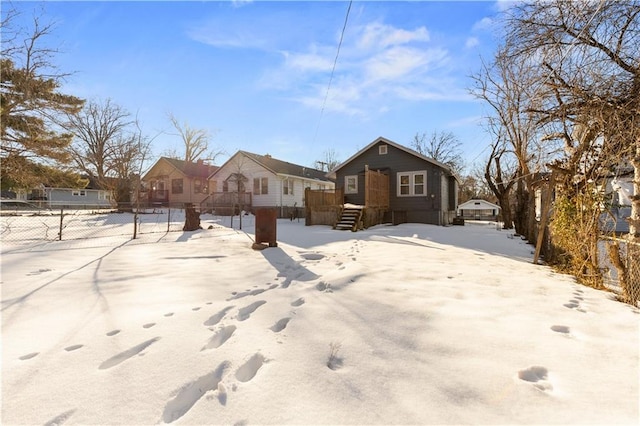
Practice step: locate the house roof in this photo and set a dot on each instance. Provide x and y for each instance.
(332, 173)
(193, 170)
(281, 167)
(478, 204)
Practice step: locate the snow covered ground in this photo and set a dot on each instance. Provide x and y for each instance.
(412, 324)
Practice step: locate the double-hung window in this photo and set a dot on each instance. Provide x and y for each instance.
(260, 186)
(287, 187)
(351, 184)
(412, 184)
(176, 186)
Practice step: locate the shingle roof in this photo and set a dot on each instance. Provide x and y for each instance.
(201, 170)
(286, 168)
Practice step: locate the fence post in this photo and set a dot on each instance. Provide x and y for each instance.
(135, 224)
(61, 218)
(168, 219)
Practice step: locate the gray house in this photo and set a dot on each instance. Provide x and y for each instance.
(417, 188)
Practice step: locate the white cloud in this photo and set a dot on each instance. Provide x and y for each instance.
(471, 42)
(483, 24)
(379, 66)
(399, 62)
(377, 35)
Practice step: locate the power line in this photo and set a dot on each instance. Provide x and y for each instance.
(335, 61)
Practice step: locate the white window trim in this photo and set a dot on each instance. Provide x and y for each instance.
(412, 176)
(346, 184)
(289, 185)
(383, 149)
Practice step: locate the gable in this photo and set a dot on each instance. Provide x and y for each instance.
(170, 166)
(478, 205)
(397, 157)
(243, 160)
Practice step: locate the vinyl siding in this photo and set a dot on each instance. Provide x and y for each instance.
(420, 209)
(166, 172)
(276, 197)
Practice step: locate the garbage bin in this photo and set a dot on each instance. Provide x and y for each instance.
(266, 219)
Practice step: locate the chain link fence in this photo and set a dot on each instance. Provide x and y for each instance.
(619, 261)
(67, 224)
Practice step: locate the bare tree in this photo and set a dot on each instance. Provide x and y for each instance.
(587, 57)
(509, 88)
(328, 161)
(108, 146)
(501, 174)
(196, 142)
(441, 146)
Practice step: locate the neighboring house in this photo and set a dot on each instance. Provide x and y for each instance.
(263, 181)
(477, 209)
(419, 188)
(175, 182)
(620, 191)
(89, 197)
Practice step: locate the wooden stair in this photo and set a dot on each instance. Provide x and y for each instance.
(349, 219)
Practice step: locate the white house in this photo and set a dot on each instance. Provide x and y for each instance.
(252, 180)
(478, 209)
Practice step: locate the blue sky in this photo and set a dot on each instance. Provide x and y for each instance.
(255, 74)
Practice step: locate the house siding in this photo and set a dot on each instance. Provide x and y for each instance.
(251, 169)
(63, 197)
(420, 209)
(166, 172)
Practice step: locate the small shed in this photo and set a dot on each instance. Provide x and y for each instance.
(477, 209)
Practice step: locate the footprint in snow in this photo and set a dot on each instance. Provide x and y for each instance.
(280, 325)
(248, 370)
(298, 302)
(561, 329)
(113, 333)
(149, 325)
(168, 314)
(187, 396)
(214, 319)
(197, 308)
(219, 337)
(123, 356)
(60, 419)
(538, 376)
(245, 313)
(28, 356)
(73, 348)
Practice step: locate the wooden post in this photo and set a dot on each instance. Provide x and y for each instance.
(544, 216)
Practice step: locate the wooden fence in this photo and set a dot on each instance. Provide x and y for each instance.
(323, 197)
(376, 189)
(323, 206)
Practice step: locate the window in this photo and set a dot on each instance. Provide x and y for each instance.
(225, 186)
(79, 193)
(176, 186)
(287, 187)
(412, 184)
(351, 184)
(260, 186)
(382, 149)
(197, 186)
